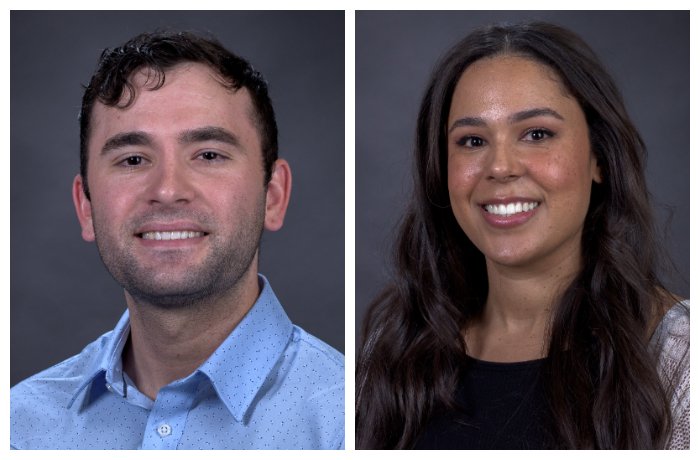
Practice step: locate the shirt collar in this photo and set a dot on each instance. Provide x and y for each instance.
(237, 369)
(105, 363)
(244, 361)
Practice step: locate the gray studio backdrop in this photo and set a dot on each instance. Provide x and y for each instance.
(61, 295)
(647, 53)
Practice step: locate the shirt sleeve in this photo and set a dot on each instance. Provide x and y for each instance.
(674, 370)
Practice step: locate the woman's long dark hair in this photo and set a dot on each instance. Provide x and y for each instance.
(601, 378)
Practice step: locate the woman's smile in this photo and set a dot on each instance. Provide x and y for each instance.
(509, 212)
(520, 166)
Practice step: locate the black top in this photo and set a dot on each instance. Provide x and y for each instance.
(502, 407)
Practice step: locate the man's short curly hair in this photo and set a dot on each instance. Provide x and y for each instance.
(159, 52)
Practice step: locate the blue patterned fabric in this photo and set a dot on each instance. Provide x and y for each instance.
(269, 385)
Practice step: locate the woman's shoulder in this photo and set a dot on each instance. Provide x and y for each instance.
(672, 334)
(671, 338)
(671, 342)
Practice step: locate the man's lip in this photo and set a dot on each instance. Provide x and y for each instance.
(170, 236)
(170, 227)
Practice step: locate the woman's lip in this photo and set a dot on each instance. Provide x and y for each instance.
(508, 200)
(509, 220)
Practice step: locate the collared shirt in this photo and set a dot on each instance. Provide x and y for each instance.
(269, 385)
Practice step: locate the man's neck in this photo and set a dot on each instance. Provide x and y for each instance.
(167, 344)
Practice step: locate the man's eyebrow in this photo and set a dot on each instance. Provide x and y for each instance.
(209, 133)
(127, 139)
(514, 118)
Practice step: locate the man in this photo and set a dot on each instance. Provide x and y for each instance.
(179, 176)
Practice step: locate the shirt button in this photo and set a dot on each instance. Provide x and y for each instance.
(164, 430)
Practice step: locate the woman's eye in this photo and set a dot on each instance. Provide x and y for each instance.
(538, 134)
(471, 142)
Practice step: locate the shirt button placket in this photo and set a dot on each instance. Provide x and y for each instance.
(168, 417)
(164, 430)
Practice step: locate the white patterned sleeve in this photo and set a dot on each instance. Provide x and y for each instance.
(673, 337)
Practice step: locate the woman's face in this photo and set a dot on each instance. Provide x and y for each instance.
(520, 165)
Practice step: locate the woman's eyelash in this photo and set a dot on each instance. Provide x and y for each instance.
(538, 134)
(470, 141)
(532, 135)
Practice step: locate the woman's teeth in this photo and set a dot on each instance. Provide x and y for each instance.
(510, 208)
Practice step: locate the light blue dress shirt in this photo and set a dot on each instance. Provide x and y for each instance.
(269, 385)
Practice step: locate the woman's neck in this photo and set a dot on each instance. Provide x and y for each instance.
(514, 324)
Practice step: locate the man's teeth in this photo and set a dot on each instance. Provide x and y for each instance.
(170, 235)
(510, 208)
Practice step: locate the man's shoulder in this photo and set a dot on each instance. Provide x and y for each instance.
(55, 387)
(314, 372)
(317, 356)
(40, 406)
(75, 366)
(313, 369)
(313, 345)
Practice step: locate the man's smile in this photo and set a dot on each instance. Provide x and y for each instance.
(171, 235)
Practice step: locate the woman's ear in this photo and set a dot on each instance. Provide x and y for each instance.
(595, 170)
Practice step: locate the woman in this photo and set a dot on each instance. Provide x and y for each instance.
(526, 310)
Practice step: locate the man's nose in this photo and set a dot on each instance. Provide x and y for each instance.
(170, 182)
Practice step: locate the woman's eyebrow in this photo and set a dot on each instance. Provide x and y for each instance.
(513, 118)
(467, 121)
(531, 113)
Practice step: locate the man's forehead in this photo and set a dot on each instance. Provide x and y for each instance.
(148, 78)
(187, 96)
(181, 83)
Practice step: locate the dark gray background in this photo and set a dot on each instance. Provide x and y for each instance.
(61, 296)
(648, 54)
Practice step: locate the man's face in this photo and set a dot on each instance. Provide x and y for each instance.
(178, 200)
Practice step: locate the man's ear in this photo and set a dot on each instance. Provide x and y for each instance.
(278, 191)
(83, 207)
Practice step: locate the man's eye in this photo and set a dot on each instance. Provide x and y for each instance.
(133, 161)
(210, 156)
(471, 142)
